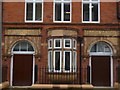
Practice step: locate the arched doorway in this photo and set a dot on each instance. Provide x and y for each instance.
(22, 64)
(101, 65)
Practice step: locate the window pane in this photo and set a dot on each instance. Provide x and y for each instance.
(67, 43)
(94, 0)
(30, 48)
(57, 11)
(16, 48)
(39, 0)
(74, 44)
(58, 0)
(86, 12)
(74, 61)
(29, 11)
(66, 11)
(23, 46)
(67, 61)
(100, 47)
(66, 0)
(50, 43)
(95, 12)
(50, 60)
(107, 49)
(94, 48)
(57, 60)
(86, 0)
(38, 12)
(57, 43)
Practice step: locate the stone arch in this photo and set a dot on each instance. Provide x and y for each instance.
(18, 47)
(16, 41)
(106, 41)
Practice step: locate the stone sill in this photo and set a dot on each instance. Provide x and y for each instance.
(117, 85)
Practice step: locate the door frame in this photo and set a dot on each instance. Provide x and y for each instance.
(11, 69)
(111, 68)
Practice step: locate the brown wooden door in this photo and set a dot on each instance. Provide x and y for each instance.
(101, 72)
(22, 70)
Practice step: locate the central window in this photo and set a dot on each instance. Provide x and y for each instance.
(91, 11)
(62, 54)
(62, 10)
(34, 10)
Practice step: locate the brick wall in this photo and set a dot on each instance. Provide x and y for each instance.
(15, 12)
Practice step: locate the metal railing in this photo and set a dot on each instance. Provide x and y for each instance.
(43, 75)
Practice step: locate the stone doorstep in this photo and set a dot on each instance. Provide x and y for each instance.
(63, 86)
(117, 85)
(4, 84)
(42, 86)
(24, 87)
(87, 86)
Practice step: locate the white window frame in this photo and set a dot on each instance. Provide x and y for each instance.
(20, 47)
(33, 1)
(55, 44)
(50, 63)
(49, 44)
(62, 11)
(103, 44)
(60, 61)
(74, 61)
(101, 53)
(75, 44)
(70, 44)
(70, 62)
(90, 2)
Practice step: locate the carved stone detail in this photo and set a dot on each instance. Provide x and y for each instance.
(62, 33)
(114, 42)
(10, 41)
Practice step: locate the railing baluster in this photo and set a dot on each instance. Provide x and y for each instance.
(48, 76)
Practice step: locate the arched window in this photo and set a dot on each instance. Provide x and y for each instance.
(101, 48)
(23, 46)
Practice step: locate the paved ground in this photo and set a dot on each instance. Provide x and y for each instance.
(60, 89)
(41, 89)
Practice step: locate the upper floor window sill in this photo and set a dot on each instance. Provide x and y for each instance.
(62, 22)
(34, 21)
(90, 22)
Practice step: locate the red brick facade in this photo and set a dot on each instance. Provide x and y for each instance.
(14, 20)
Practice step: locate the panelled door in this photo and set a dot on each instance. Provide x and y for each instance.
(101, 70)
(22, 69)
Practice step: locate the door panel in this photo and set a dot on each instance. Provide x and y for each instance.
(22, 70)
(101, 72)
